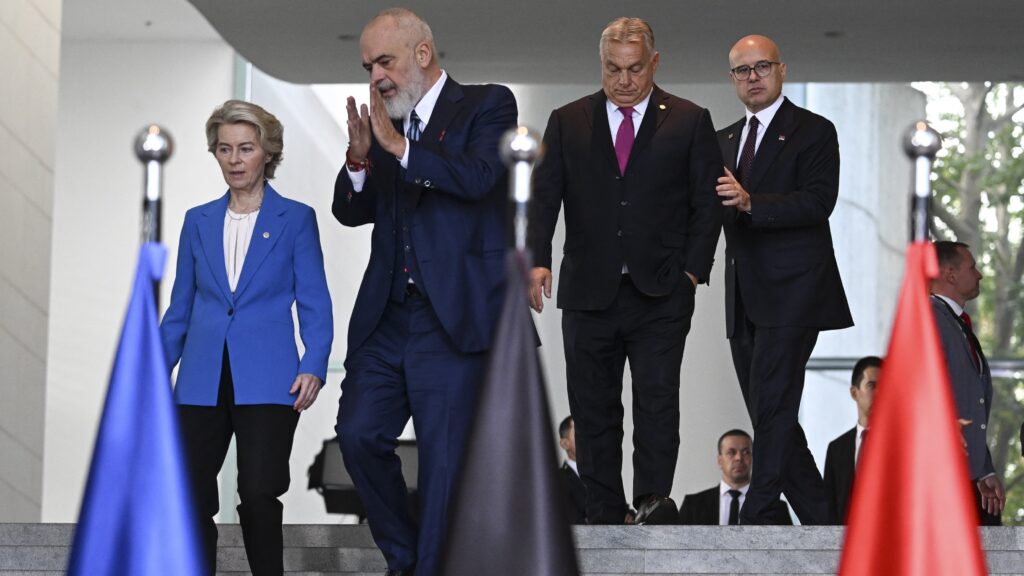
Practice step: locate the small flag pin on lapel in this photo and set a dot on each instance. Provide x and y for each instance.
(782, 137)
(266, 234)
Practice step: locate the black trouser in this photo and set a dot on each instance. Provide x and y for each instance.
(650, 332)
(264, 435)
(770, 364)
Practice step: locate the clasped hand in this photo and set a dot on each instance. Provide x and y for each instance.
(373, 121)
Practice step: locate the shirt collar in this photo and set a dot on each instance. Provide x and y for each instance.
(639, 108)
(425, 107)
(765, 116)
(723, 488)
(572, 464)
(957, 309)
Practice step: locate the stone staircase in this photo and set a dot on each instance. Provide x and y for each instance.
(330, 550)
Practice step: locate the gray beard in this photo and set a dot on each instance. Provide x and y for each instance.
(401, 104)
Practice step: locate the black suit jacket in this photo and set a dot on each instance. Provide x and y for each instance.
(701, 509)
(780, 256)
(839, 473)
(661, 218)
(575, 495)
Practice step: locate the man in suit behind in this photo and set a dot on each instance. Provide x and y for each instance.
(575, 491)
(782, 283)
(423, 168)
(635, 168)
(720, 505)
(959, 281)
(844, 452)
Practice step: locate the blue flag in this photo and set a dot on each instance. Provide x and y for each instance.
(137, 516)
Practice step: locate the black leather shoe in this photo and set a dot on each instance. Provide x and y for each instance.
(654, 509)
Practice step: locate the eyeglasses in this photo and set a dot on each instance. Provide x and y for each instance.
(762, 68)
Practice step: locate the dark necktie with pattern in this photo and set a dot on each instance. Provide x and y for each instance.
(413, 134)
(749, 147)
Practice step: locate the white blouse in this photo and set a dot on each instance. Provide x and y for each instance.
(238, 230)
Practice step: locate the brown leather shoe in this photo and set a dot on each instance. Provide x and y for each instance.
(654, 509)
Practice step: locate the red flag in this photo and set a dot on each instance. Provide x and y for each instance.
(913, 510)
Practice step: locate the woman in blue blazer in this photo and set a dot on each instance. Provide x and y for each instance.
(243, 261)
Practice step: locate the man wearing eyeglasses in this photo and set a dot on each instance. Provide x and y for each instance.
(782, 284)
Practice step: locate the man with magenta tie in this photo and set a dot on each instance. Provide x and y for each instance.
(635, 168)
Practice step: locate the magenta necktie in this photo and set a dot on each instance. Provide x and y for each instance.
(749, 146)
(624, 138)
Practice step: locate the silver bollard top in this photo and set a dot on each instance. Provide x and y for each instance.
(921, 140)
(520, 144)
(154, 144)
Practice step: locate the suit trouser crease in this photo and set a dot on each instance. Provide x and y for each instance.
(264, 434)
(770, 365)
(408, 367)
(650, 332)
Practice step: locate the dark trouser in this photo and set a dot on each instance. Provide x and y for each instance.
(407, 367)
(770, 364)
(264, 435)
(650, 333)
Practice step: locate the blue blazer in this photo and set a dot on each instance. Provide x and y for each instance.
(284, 265)
(456, 194)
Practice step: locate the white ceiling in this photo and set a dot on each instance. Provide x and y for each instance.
(555, 41)
(112, 20)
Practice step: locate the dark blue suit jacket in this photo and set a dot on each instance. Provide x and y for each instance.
(456, 195)
(284, 265)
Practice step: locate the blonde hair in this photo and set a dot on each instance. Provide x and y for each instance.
(268, 127)
(627, 30)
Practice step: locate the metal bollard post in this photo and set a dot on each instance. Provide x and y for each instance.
(520, 150)
(921, 142)
(153, 146)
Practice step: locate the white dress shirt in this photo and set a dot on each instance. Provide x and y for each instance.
(857, 441)
(764, 118)
(237, 237)
(725, 499)
(615, 117)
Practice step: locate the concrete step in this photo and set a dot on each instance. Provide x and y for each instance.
(326, 550)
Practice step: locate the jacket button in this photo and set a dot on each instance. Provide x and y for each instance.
(624, 203)
(231, 311)
(426, 183)
(418, 181)
(982, 400)
(984, 426)
(619, 233)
